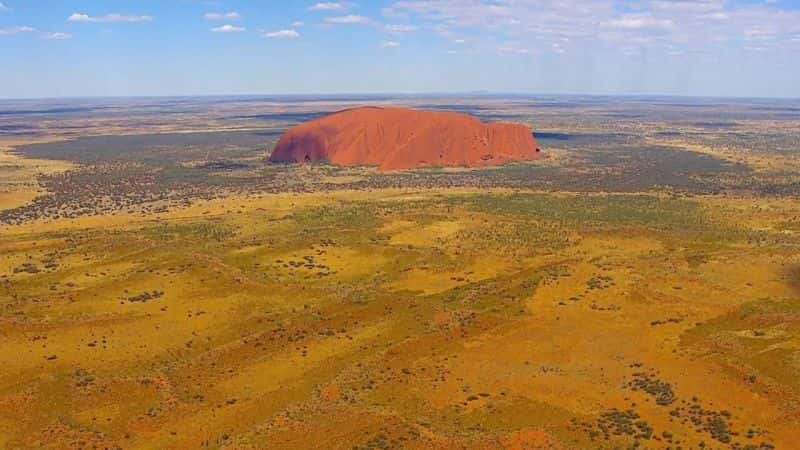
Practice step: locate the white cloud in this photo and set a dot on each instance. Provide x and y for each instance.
(400, 28)
(297, 23)
(56, 36)
(282, 34)
(687, 6)
(640, 21)
(328, 6)
(4, 8)
(758, 34)
(228, 28)
(513, 48)
(108, 18)
(390, 44)
(348, 19)
(717, 16)
(233, 15)
(15, 30)
(623, 26)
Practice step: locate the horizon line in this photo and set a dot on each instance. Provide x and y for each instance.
(420, 94)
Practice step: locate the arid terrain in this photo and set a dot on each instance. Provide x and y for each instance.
(162, 285)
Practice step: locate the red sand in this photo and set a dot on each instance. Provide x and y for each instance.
(400, 138)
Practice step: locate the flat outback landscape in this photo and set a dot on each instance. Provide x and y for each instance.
(630, 281)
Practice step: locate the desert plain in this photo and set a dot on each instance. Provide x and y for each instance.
(162, 285)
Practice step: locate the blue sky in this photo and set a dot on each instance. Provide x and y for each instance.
(60, 48)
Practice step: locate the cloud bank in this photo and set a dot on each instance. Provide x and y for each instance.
(670, 26)
(228, 28)
(282, 34)
(108, 18)
(233, 15)
(15, 30)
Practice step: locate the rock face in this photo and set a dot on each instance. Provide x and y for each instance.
(400, 138)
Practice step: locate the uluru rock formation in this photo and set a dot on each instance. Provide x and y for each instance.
(401, 138)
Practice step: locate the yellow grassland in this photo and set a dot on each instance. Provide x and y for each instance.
(348, 319)
(18, 176)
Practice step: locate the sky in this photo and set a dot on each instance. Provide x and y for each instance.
(79, 48)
